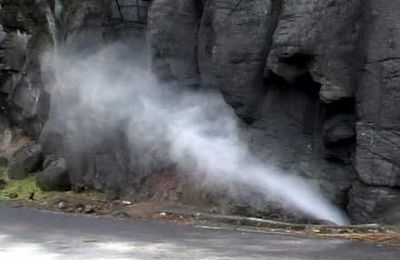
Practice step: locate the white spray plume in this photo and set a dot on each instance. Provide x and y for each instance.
(196, 130)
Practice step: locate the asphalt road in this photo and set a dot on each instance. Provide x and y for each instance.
(31, 234)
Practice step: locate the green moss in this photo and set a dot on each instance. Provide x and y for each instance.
(24, 188)
(21, 188)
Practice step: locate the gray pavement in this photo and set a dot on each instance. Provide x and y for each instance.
(31, 234)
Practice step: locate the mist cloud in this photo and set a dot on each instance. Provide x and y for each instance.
(194, 130)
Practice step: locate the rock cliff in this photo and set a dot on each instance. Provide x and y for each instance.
(316, 84)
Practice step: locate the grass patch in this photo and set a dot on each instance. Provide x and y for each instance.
(24, 188)
(20, 189)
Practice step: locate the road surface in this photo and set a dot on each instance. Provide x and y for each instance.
(31, 234)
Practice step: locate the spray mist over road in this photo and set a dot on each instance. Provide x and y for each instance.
(194, 130)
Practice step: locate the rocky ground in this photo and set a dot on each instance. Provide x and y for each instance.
(25, 193)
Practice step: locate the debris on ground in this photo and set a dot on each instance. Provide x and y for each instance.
(19, 194)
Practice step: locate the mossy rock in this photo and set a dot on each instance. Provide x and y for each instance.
(54, 177)
(25, 162)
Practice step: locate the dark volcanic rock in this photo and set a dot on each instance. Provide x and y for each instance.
(378, 156)
(289, 68)
(374, 204)
(26, 32)
(378, 139)
(339, 129)
(233, 42)
(276, 63)
(319, 37)
(25, 161)
(313, 55)
(54, 177)
(171, 59)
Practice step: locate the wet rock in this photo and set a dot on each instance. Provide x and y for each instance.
(373, 204)
(25, 161)
(54, 177)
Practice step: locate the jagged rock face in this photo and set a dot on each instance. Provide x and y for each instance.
(270, 59)
(377, 204)
(315, 83)
(378, 154)
(302, 74)
(232, 46)
(25, 162)
(318, 37)
(177, 60)
(27, 30)
(378, 128)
